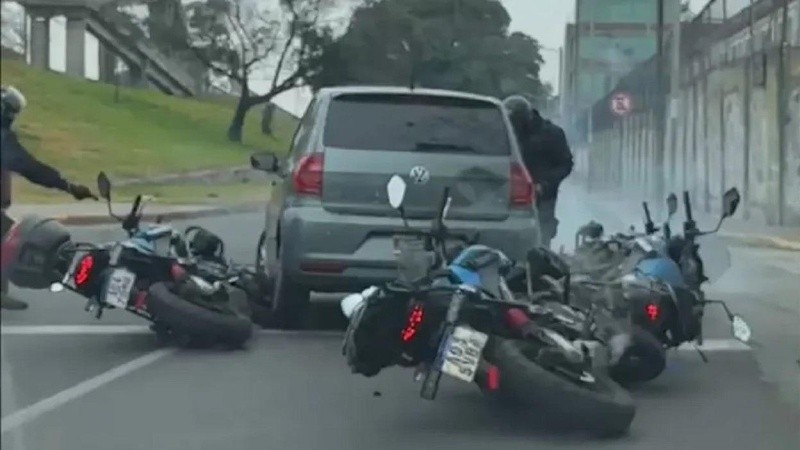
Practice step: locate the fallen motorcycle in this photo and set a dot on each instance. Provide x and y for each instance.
(461, 320)
(654, 280)
(630, 353)
(175, 280)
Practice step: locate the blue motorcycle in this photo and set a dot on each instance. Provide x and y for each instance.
(450, 312)
(658, 276)
(178, 281)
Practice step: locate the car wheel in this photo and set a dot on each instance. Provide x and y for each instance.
(290, 299)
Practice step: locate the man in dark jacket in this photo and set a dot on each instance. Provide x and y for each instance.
(547, 157)
(15, 158)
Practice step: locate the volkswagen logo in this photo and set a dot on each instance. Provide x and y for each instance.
(419, 175)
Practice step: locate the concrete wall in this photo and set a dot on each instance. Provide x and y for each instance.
(722, 131)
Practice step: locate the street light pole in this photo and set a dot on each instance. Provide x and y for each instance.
(783, 113)
(660, 104)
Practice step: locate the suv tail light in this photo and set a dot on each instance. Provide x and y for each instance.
(307, 177)
(521, 192)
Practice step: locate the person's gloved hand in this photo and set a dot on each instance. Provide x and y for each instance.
(80, 192)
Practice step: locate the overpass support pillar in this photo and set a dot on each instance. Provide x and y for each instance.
(40, 40)
(76, 45)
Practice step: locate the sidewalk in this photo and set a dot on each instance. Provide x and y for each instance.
(627, 209)
(96, 213)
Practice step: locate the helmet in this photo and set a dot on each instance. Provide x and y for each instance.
(12, 102)
(519, 112)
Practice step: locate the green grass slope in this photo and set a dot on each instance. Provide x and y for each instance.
(78, 126)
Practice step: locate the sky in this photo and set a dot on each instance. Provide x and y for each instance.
(545, 20)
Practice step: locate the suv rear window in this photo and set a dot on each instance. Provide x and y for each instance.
(402, 122)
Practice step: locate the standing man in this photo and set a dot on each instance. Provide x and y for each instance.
(15, 158)
(546, 155)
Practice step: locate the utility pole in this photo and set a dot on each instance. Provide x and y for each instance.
(660, 103)
(783, 113)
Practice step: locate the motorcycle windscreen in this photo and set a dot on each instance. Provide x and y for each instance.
(715, 255)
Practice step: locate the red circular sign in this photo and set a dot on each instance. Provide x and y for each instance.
(621, 103)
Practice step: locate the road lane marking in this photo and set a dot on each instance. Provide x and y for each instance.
(46, 330)
(718, 345)
(29, 413)
(709, 345)
(43, 330)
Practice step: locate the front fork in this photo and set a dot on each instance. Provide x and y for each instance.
(432, 375)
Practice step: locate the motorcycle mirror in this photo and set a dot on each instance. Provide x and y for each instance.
(396, 191)
(730, 201)
(740, 329)
(104, 186)
(672, 204)
(56, 287)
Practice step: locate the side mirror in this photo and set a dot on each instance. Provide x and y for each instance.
(104, 186)
(266, 162)
(672, 204)
(740, 329)
(396, 191)
(730, 201)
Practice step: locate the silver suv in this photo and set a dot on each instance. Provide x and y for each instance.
(329, 199)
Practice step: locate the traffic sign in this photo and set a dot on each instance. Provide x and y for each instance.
(621, 103)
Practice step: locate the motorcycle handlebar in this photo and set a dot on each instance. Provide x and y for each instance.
(647, 212)
(687, 206)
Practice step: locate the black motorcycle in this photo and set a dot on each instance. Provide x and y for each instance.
(177, 281)
(460, 319)
(655, 280)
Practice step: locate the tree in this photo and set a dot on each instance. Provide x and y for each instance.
(453, 44)
(237, 38)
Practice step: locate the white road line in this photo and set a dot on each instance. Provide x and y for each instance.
(718, 345)
(43, 330)
(29, 413)
(46, 330)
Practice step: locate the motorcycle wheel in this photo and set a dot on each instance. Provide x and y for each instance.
(195, 323)
(644, 360)
(603, 408)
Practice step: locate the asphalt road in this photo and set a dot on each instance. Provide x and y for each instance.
(64, 388)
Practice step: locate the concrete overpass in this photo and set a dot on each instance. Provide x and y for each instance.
(147, 65)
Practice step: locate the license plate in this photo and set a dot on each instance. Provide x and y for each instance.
(462, 353)
(118, 289)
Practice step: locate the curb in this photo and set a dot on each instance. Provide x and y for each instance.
(756, 240)
(166, 216)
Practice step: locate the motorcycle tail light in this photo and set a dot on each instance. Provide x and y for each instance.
(413, 322)
(84, 271)
(10, 246)
(492, 378)
(652, 311)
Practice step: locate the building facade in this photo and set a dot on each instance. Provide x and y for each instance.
(608, 39)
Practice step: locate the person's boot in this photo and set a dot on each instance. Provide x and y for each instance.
(7, 302)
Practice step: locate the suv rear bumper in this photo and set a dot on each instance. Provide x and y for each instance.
(331, 252)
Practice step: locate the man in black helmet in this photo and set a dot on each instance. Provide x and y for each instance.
(546, 155)
(15, 158)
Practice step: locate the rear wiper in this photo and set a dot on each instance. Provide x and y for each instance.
(443, 146)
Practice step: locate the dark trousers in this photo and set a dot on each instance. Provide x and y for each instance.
(7, 223)
(548, 224)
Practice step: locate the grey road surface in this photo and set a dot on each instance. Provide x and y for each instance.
(63, 388)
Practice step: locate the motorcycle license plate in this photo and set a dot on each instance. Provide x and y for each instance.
(118, 288)
(462, 353)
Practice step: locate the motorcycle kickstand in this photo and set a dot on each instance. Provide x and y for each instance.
(700, 352)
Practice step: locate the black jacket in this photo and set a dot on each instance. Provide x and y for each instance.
(15, 158)
(547, 157)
